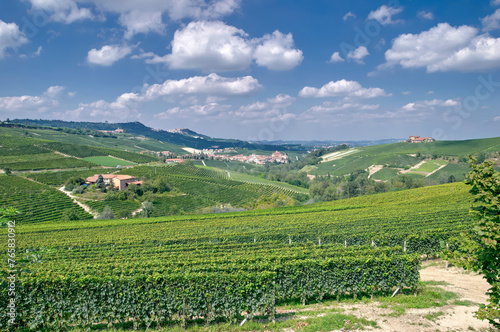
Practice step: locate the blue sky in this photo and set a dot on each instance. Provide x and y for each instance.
(259, 69)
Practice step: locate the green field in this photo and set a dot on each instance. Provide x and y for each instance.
(187, 267)
(385, 174)
(108, 161)
(430, 166)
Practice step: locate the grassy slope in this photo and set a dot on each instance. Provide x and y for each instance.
(108, 161)
(123, 142)
(398, 154)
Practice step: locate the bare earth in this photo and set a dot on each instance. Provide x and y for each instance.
(469, 286)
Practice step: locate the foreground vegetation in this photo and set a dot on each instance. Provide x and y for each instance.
(218, 266)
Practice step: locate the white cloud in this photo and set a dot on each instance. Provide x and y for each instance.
(349, 14)
(425, 15)
(37, 52)
(137, 16)
(384, 14)
(147, 16)
(32, 103)
(103, 110)
(141, 22)
(210, 46)
(358, 54)
(491, 22)
(211, 87)
(10, 37)
(406, 92)
(215, 46)
(193, 112)
(264, 110)
(342, 88)
(108, 54)
(445, 48)
(496, 118)
(336, 57)
(54, 91)
(277, 52)
(430, 104)
(64, 11)
(495, 2)
(336, 111)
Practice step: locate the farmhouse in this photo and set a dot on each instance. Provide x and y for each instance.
(118, 181)
(418, 139)
(174, 161)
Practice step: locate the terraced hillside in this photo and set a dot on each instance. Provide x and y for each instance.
(218, 266)
(401, 156)
(37, 202)
(204, 187)
(27, 153)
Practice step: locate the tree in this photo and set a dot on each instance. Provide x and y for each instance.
(99, 184)
(147, 209)
(7, 170)
(106, 213)
(479, 250)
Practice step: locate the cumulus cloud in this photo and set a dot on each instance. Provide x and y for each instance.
(141, 22)
(335, 111)
(383, 15)
(39, 103)
(342, 88)
(108, 54)
(445, 48)
(210, 46)
(495, 2)
(349, 14)
(277, 52)
(430, 104)
(193, 112)
(491, 22)
(425, 15)
(209, 87)
(497, 118)
(358, 54)
(64, 11)
(10, 37)
(336, 57)
(144, 17)
(216, 46)
(137, 16)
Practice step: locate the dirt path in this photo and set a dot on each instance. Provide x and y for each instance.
(469, 287)
(413, 167)
(374, 169)
(83, 206)
(452, 317)
(434, 171)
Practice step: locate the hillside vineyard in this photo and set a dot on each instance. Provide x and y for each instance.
(219, 266)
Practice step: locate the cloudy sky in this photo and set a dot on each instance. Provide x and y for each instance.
(257, 69)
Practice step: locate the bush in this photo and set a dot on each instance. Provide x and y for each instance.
(69, 214)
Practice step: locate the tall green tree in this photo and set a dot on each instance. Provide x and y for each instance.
(479, 250)
(99, 184)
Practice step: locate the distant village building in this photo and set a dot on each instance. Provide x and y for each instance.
(174, 161)
(418, 139)
(116, 131)
(118, 181)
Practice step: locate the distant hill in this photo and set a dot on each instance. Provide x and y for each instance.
(186, 137)
(433, 160)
